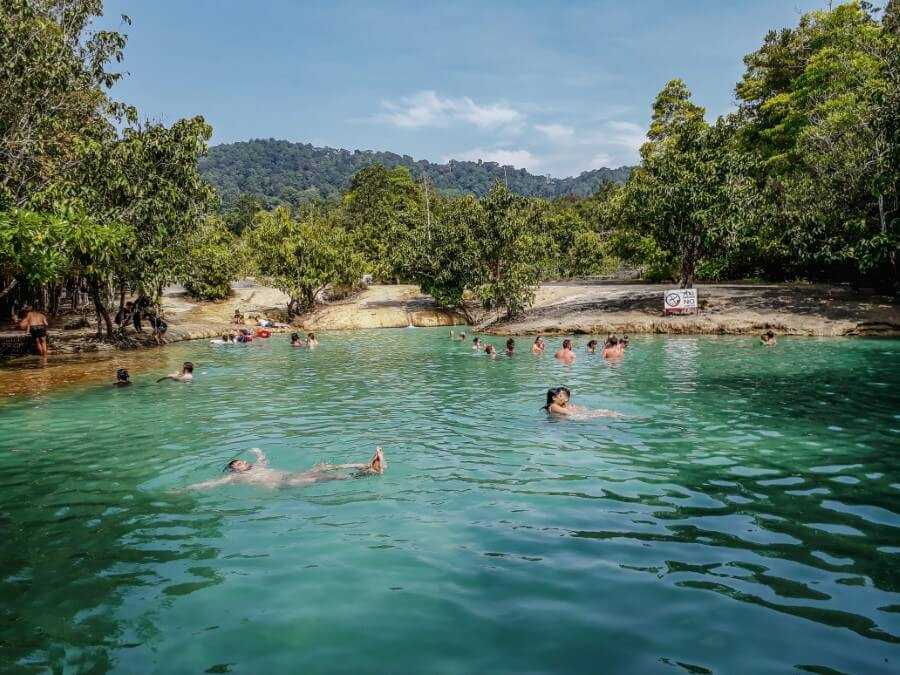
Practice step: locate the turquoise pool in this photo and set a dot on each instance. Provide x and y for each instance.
(744, 515)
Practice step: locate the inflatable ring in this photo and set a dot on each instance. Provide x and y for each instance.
(263, 333)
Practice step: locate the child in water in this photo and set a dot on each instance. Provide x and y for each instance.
(242, 471)
(122, 378)
(558, 404)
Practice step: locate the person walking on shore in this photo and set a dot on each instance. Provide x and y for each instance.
(35, 324)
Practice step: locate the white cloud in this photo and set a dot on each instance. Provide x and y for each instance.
(428, 109)
(520, 159)
(625, 134)
(558, 133)
(600, 161)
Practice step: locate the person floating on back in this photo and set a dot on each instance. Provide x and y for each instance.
(565, 354)
(186, 374)
(35, 323)
(242, 471)
(558, 404)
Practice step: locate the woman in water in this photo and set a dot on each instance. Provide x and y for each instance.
(510, 347)
(477, 345)
(592, 347)
(242, 471)
(558, 404)
(296, 341)
(538, 346)
(490, 351)
(311, 340)
(768, 338)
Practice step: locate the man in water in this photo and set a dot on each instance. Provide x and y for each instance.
(566, 355)
(242, 471)
(613, 348)
(186, 374)
(35, 323)
(122, 378)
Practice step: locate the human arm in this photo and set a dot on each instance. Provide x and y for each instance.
(215, 482)
(261, 459)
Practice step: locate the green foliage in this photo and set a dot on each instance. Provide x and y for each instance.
(302, 257)
(209, 261)
(280, 172)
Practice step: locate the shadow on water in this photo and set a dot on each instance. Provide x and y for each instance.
(77, 540)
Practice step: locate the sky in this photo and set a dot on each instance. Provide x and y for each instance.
(553, 87)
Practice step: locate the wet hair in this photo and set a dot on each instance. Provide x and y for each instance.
(592, 343)
(624, 340)
(225, 337)
(552, 393)
(462, 335)
(537, 339)
(510, 344)
(188, 367)
(311, 336)
(612, 341)
(295, 337)
(476, 340)
(231, 466)
(769, 334)
(122, 375)
(567, 343)
(489, 349)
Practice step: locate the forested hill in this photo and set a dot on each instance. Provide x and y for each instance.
(281, 171)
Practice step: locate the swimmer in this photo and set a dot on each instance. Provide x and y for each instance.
(259, 473)
(296, 341)
(613, 348)
(538, 347)
(477, 344)
(565, 354)
(244, 335)
(462, 336)
(490, 351)
(558, 404)
(311, 340)
(592, 347)
(122, 378)
(510, 347)
(186, 374)
(768, 338)
(623, 341)
(226, 339)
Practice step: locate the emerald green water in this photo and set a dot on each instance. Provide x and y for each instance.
(743, 517)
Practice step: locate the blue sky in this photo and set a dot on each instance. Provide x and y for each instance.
(554, 87)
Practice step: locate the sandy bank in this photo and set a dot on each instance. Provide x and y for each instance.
(791, 309)
(381, 307)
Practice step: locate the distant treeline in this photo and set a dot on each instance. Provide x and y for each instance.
(281, 172)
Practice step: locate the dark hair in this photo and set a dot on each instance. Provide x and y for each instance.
(567, 343)
(624, 340)
(121, 374)
(612, 341)
(476, 339)
(489, 349)
(551, 394)
(230, 466)
(536, 339)
(510, 343)
(592, 343)
(294, 336)
(311, 336)
(769, 334)
(188, 366)
(224, 337)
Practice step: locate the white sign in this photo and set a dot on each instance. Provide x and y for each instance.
(680, 301)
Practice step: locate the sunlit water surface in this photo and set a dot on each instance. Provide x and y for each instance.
(743, 517)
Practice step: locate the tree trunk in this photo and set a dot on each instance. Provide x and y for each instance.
(6, 290)
(102, 312)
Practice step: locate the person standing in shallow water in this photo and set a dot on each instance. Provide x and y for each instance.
(565, 354)
(35, 324)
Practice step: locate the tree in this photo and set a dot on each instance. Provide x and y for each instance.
(302, 257)
(209, 261)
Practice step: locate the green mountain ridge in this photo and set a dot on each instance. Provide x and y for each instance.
(285, 172)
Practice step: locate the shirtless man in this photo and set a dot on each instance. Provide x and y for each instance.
(242, 471)
(566, 354)
(186, 374)
(35, 324)
(613, 348)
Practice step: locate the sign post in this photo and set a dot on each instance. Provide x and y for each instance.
(680, 301)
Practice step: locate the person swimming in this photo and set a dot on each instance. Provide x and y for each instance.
(558, 403)
(768, 338)
(259, 473)
(477, 344)
(612, 348)
(510, 347)
(122, 378)
(565, 354)
(186, 374)
(244, 336)
(490, 351)
(226, 339)
(296, 341)
(311, 340)
(592, 347)
(538, 346)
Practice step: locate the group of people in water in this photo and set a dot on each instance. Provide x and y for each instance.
(614, 347)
